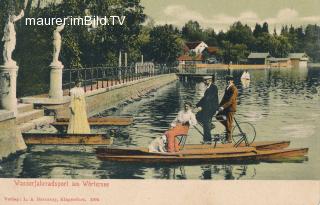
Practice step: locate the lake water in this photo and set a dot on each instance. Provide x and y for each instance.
(282, 104)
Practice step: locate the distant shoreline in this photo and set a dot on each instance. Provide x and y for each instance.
(243, 66)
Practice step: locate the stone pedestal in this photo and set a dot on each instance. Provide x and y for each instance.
(11, 140)
(8, 86)
(56, 91)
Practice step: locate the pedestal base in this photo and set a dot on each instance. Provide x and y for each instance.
(8, 86)
(56, 91)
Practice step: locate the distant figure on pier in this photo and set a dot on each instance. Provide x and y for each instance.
(180, 126)
(245, 75)
(207, 107)
(78, 123)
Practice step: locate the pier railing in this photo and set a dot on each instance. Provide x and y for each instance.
(106, 76)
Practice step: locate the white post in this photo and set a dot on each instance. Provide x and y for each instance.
(56, 91)
(141, 59)
(125, 59)
(120, 63)
(8, 83)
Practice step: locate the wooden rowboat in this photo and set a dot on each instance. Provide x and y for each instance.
(61, 124)
(142, 151)
(207, 155)
(111, 120)
(258, 145)
(66, 139)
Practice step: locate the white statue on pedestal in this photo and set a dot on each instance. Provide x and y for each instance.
(57, 45)
(9, 39)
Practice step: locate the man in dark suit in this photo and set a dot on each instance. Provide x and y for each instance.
(228, 106)
(207, 107)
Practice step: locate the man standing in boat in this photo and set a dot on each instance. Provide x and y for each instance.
(207, 107)
(228, 106)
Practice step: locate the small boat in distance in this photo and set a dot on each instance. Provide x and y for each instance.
(245, 75)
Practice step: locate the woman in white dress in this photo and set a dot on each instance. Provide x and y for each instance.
(78, 123)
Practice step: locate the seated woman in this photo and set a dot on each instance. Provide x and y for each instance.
(180, 126)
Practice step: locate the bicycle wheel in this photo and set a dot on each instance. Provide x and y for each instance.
(248, 131)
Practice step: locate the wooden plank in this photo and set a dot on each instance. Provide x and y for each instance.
(66, 139)
(257, 145)
(115, 121)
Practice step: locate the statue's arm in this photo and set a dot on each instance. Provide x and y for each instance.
(60, 28)
(17, 18)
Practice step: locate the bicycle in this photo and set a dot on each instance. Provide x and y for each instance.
(241, 132)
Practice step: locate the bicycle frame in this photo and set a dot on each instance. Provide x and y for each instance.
(243, 136)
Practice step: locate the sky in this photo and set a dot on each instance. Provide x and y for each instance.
(220, 14)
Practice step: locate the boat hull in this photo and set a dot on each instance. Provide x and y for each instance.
(144, 151)
(66, 139)
(230, 156)
(61, 124)
(96, 121)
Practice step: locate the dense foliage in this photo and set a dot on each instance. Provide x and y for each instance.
(83, 46)
(240, 40)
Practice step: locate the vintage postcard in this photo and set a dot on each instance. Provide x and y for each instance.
(153, 102)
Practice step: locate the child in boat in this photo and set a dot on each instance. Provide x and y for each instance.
(158, 144)
(78, 123)
(180, 126)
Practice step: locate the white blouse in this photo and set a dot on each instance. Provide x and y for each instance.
(184, 117)
(77, 92)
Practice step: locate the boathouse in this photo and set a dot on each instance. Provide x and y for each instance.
(259, 58)
(279, 62)
(190, 60)
(299, 59)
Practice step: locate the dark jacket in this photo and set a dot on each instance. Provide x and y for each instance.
(209, 102)
(229, 100)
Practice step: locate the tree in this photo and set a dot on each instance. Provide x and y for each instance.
(265, 28)
(263, 43)
(280, 46)
(210, 37)
(240, 34)
(312, 42)
(165, 44)
(257, 30)
(192, 31)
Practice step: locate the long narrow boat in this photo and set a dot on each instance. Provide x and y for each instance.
(61, 124)
(110, 120)
(207, 155)
(263, 145)
(66, 139)
(258, 145)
